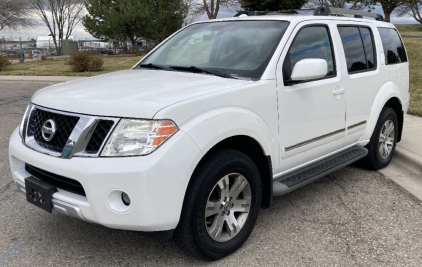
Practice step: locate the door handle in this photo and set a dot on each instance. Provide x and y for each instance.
(339, 91)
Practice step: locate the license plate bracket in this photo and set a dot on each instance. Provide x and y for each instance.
(39, 193)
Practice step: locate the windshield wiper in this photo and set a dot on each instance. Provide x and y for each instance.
(208, 71)
(156, 66)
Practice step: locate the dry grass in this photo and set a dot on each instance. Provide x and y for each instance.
(415, 61)
(409, 29)
(59, 67)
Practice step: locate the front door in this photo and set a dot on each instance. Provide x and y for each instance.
(311, 113)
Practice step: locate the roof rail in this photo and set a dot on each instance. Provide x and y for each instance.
(251, 13)
(319, 11)
(290, 11)
(325, 11)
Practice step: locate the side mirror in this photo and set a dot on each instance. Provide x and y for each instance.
(308, 69)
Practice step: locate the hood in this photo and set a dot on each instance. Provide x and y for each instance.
(138, 93)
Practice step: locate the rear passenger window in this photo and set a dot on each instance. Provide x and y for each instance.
(393, 46)
(358, 48)
(310, 42)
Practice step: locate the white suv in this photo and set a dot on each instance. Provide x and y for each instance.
(214, 122)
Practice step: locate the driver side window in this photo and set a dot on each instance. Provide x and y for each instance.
(310, 42)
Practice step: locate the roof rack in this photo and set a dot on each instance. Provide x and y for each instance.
(325, 11)
(319, 11)
(251, 13)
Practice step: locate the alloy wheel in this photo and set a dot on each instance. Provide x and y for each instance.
(386, 140)
(228, 207)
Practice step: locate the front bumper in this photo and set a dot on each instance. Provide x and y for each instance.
(58, 205)
(155, 183)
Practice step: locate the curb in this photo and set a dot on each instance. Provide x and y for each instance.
(408, 160)
(38, 79)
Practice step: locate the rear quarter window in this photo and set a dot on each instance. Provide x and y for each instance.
(393, 46)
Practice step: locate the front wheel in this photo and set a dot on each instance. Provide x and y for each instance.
(221, 205)
(383, 140)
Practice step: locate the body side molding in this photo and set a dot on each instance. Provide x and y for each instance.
(356, 125)
(313, 140)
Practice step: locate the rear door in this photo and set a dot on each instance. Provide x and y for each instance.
(369, 63)
(362, 73)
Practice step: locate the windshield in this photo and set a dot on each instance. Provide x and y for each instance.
(235, 48)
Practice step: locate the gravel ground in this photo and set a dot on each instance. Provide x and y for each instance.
(352, 217)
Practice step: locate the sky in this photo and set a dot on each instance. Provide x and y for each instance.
(80, 33)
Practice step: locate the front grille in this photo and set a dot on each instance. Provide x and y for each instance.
(98, 137)
(61, 182)
(64, 127)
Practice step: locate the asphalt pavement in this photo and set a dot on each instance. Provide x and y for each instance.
(352, 217)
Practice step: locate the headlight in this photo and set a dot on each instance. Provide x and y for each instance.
(138, 137)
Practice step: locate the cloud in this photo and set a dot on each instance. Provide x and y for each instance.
(80, 33)
(394, 18)
(41, 30)
(403, 20)
(224, 12)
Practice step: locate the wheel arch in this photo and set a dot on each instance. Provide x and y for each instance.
(252, 148)
(388, 96)
(396, 105)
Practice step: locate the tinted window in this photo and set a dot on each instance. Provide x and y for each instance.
(393, 47)
(369, 47)
(310, 42)
(353, 48)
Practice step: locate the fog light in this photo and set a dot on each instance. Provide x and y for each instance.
(119, 200)
(125, 199)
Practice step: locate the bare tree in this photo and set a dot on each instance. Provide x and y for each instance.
(336, 3)
(412, 8)
(209, 7)
(388, 6)
(60, 17)
(14, 14)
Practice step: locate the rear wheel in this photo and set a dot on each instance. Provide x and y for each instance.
(221, 205)
(383, 140)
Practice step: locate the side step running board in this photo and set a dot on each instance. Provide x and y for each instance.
(308, 174)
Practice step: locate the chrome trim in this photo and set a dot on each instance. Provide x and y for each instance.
(58, 205)
(25, 123)
(356, 125)
(78, 139)
(313, 140)
(51, 131)
(21, 186)
(67, 209)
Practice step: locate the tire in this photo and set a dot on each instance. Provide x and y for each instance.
(376, 159)
(194, 233)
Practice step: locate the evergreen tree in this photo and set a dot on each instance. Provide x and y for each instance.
(131, 19)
